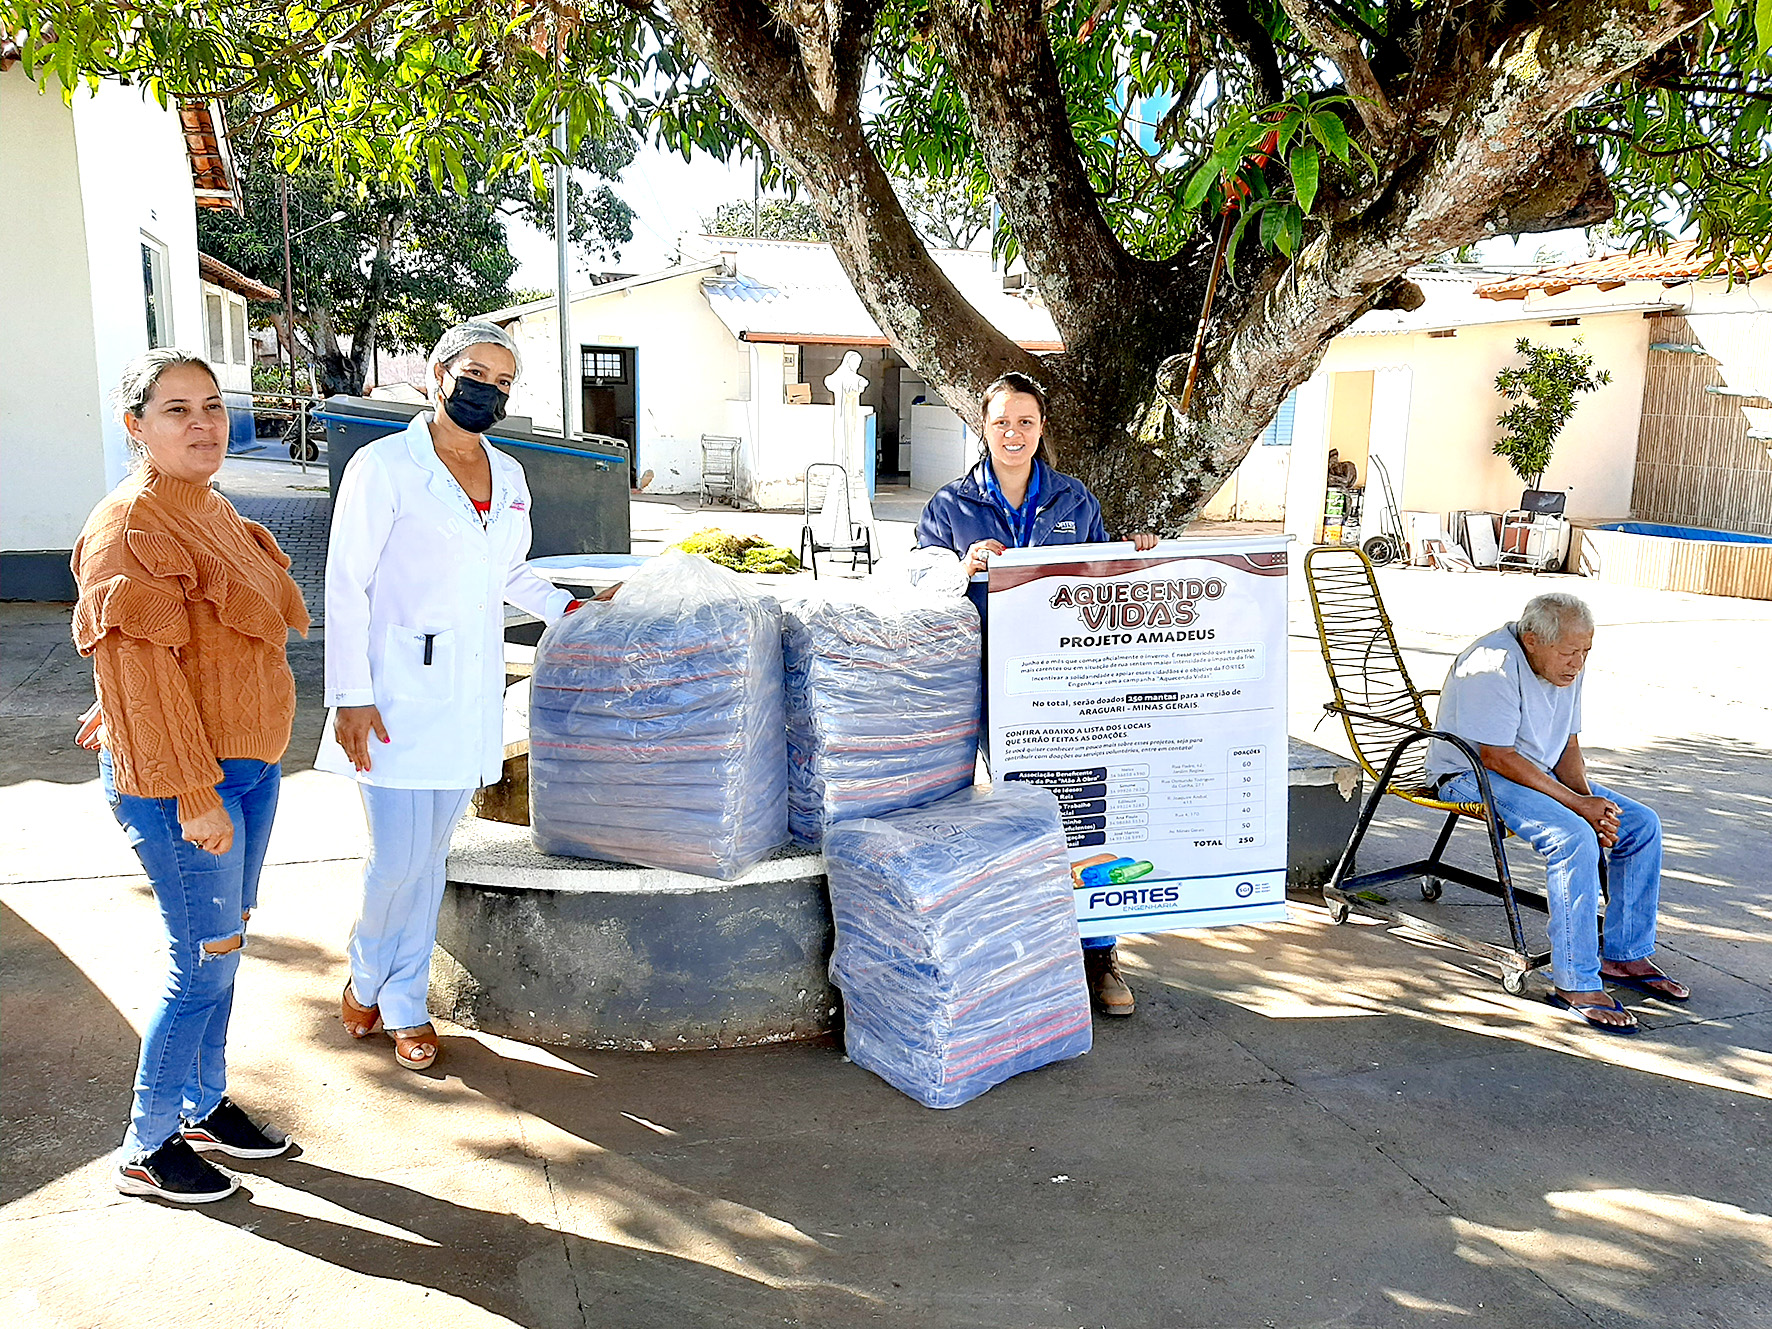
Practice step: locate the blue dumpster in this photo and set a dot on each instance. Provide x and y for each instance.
(578, 486)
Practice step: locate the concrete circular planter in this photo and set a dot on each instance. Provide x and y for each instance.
(576, 953)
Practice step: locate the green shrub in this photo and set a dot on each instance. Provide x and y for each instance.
(1543, 391)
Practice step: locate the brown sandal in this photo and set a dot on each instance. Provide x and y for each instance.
(359, 1021)
(416, 1048)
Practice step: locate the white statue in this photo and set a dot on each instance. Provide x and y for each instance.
(848, 450)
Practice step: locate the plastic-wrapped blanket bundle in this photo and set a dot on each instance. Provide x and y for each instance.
(957, 951)
(656, 728)
(882, 701)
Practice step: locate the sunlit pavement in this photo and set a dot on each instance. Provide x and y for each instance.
(1304, 1124)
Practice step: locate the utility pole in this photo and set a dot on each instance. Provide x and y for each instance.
(756, 201)
(562, 270)
(288, 281)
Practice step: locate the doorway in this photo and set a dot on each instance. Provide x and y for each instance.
(609, 395)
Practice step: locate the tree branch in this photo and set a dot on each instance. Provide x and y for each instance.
(1249, 37)
(1001, 61)
(1487, 171)
(1322, 28)
(760, 71)
(833, 38)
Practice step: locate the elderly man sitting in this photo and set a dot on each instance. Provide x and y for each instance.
(1516, 696)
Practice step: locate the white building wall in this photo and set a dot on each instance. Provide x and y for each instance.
(51, 451)
(1434, 415)
(1451, 462)
(135, 178)
(687, 366)
(693, 377)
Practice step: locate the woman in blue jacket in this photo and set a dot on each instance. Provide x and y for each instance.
(1016, 499)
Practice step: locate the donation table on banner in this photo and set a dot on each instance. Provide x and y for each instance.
(1148, 692)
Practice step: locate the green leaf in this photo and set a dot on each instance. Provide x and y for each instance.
(1198, 186)
(457, 176)
(1763, 26)
(1304, 165)
(1243, 219)
(1328, 130)
(1272, 225)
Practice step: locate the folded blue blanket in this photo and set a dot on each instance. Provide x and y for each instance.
(882, 705)
(657, 724)
(957, 950)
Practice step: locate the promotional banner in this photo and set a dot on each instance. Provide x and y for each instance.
(1148, 692)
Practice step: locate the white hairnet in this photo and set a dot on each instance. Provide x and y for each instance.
(463, 335)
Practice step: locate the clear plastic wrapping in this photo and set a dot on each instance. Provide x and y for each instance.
(957, 950)
(882, 704)
(656, 725)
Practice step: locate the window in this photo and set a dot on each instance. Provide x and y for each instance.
(217, 329)
(790, 370)
(237, 330)
(156, 293)
(603, 368)
(1278, 434)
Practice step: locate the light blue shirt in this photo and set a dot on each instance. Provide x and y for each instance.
(1493, 699)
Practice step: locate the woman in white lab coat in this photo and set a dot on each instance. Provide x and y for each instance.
(430, 533)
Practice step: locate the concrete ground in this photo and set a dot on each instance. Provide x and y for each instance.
(1303, 1124)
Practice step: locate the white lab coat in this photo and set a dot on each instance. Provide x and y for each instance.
(409, 565)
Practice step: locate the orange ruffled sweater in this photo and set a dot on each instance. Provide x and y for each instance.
(185, 608)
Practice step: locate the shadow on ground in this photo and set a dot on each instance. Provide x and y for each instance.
(64, 1099)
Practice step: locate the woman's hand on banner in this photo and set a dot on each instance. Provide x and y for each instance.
(1143, 541)
(979, 553)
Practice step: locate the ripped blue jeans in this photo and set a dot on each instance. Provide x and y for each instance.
(183, 1071)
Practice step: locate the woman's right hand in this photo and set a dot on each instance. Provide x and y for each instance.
(978, 555)
(211, 831)
(352, 727)
(91, 733)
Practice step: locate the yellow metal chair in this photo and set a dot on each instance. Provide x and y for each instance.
(1388, 728)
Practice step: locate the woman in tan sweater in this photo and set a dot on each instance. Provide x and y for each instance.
(185, 610)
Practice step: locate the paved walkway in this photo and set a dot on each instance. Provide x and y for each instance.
(294, 506)
(1303, 1125)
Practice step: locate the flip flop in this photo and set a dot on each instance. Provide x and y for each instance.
(1645, 983)
(1581, 1013)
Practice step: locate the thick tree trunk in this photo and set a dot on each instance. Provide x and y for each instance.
(1470, 131)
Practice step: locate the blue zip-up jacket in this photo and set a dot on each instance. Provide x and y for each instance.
(962, 513)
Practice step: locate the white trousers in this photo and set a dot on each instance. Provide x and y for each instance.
(390, 950)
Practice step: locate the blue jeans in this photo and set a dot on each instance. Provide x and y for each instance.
(1572, 875)
(183, 1071)
(390, 950)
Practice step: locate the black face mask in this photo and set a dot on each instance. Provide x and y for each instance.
(476, 406)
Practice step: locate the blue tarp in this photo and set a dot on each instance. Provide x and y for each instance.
(1684, 532)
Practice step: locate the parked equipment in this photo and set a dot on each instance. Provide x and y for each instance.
(1535, 535)
(1390, 544)
(719, 468)
(833, 528)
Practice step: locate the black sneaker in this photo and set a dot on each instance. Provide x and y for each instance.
(174, 1172)
(231, 1131)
